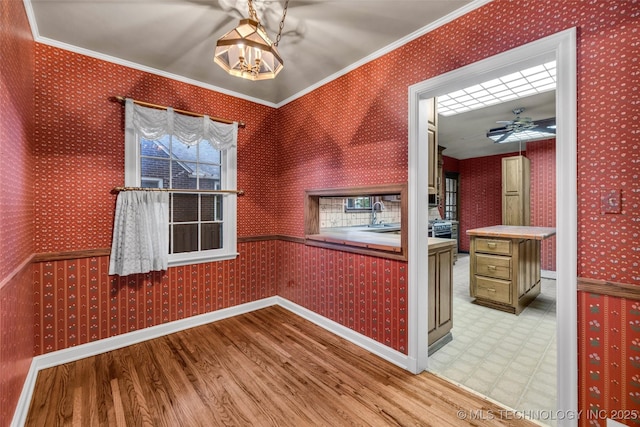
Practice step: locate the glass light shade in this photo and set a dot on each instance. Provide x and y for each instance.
(247, 52)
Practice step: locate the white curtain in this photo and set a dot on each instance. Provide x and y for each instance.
(140, 233)
(152, 124)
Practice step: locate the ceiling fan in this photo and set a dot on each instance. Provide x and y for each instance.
(508, 132)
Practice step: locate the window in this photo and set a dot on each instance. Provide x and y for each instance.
(202, 226)
(451, 196)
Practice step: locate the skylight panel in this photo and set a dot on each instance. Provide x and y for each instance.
(530, 81)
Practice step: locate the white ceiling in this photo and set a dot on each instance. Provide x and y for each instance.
(322, 40)
(320, 37)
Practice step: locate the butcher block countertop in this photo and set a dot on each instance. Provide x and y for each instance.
(514, 232)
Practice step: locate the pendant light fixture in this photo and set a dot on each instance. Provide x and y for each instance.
(247, 52)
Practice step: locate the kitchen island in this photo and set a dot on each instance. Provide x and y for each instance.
(505, 265)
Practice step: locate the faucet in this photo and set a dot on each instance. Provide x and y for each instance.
(374, 215)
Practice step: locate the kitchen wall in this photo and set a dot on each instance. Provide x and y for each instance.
(16, 204)
(332, 213)
(481, 193)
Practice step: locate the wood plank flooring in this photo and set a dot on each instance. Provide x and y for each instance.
(266, 368)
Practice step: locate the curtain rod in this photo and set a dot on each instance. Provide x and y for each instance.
(122, 99)
(177, 190)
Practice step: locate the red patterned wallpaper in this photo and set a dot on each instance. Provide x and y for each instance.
(77, 302)
(16, 203)
(366, 294)
(16, 138)
(351, 131)
(79, 154)
(480, 194)
(609, 359)
(543, 195)
(16, 340)
(481, 189)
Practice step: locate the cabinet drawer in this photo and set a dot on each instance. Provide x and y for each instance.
(493, 246)
(493, 289)
(493, 266)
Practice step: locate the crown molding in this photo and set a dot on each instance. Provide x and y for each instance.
(475, 4)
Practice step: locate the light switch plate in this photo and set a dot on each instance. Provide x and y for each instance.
(610, 201)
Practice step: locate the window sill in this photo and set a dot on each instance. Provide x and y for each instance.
(365, 246)
(202, 259)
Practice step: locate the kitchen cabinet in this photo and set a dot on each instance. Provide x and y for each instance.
(440, 293)
(432, 141)
(516, 209)
(455, 226)
(504, 265)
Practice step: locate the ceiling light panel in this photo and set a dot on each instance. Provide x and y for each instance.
(531, 81)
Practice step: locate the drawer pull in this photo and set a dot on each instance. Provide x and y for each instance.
(492, 245)
(491, 289)
(491, 267)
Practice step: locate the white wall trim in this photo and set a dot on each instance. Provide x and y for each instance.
(475, 4)
(82, 351)
(72, 354)
(369, 344)
(562, 47)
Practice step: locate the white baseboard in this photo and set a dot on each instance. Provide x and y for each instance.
(371, 345)
(548, 274)
(72, 354)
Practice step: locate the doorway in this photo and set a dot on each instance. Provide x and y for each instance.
(562, 47)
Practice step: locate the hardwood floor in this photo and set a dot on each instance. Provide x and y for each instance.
(266, 368)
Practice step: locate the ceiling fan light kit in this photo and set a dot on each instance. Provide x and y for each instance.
(248, 52)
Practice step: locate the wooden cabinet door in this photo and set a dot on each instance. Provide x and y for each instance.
(440, 294)
(515, 191)
(432, 295)
(432, 140)
(445, 290)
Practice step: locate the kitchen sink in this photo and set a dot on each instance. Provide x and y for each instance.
(383, 228)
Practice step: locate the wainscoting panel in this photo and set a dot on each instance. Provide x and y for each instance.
(609, 358)
(363, 293)
(77, 302)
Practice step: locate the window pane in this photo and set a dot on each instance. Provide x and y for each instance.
(211, 208)
(211, 236)
(156, 170)
(153, 149)
(208, 154)
(185, 207)
(180, 151)
(185, 238)
(183, 175)
(209, 176)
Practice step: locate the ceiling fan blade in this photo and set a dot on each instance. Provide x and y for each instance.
(503, 137)
(543, 129)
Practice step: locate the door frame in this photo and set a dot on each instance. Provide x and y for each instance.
(562, 47)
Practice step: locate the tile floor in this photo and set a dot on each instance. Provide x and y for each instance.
(508, 358)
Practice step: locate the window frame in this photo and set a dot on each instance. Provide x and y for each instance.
(228, 181)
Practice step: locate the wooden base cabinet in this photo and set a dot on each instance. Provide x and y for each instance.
(505, 273)
(440, 296)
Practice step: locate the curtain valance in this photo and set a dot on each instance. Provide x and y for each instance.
(153, 124)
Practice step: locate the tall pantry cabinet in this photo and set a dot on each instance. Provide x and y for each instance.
(516, 209)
